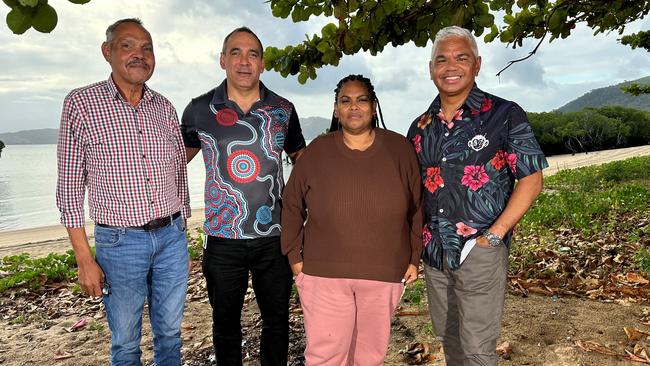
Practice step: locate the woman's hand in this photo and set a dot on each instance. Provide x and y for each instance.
(296, 268)
(411, 274)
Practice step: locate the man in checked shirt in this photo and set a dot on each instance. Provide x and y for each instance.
(121, 141)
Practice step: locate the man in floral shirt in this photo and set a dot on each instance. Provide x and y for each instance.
(472, 147)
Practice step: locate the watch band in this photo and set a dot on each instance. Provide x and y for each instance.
(492, 238)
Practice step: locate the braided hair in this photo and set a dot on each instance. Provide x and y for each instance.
(335, 125)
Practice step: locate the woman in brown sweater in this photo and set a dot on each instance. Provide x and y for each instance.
(360, 244)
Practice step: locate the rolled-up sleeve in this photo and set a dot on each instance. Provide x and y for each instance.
(71, 170)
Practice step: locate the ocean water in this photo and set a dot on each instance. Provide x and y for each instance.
(28, 186)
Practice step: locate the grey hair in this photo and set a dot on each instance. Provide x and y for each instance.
(454, 31)
(110, 31)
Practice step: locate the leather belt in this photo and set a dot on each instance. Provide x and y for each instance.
(153, 224)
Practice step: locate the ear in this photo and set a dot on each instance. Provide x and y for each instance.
(336, 114)
(478, 65)
(431, 69)
(106, 51)
(263, 66)
(222, 61)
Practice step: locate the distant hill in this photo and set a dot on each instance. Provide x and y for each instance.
(611, 95)
(314, 126)
(311, 127)
(31, 137)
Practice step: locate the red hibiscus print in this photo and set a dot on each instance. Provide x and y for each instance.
(457, 117)
(512, 162)
(486, 104)
(426, 236)
(417, 143)
(475, 177)
(499, 160)
(433, 179)
(227, 117)
(424, 121)
(464, 230)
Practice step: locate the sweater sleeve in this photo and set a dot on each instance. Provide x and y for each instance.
(294, 212)
(415, 218)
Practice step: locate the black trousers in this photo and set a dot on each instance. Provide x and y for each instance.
(226, 264)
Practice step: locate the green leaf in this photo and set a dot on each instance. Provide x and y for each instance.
(18, 21)
(30, 3)
(79, 1)
(302, 77)
(485, 20)
(11, 3)
(45, 19)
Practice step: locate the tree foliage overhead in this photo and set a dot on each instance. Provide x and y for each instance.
(37, 14)
(371, 25)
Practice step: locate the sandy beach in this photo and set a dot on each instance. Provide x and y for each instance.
(44, 240)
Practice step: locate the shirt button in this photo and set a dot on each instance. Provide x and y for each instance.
(444, 159)
(442, 185)
(144, 156)
(140, 132)
(440, 210)
(446, 133)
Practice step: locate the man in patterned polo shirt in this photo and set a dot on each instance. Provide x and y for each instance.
(472, 147)
(242, 128)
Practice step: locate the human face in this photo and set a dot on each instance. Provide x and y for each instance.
(130, 55)
(454, 67)
(354, 107)
(242, 61)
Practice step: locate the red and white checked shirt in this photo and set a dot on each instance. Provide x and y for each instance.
(131, 159)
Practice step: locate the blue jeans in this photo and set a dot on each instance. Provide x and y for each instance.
(140, 264)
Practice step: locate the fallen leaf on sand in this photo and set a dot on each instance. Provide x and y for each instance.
(62, 355)
(636, 278)
(504, 348)
(634, 334)
(590, 346)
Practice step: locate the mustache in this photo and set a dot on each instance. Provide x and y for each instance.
(137, 62)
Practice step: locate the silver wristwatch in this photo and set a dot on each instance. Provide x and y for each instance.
(492, 238)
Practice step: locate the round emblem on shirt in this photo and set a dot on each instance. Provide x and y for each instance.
(264, 215)
(280, 115)
(478, 142)
(226, 117)
(243, 166)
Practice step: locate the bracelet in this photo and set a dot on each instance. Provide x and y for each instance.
(492, 238)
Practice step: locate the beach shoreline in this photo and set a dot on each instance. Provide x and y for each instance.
(41, 241)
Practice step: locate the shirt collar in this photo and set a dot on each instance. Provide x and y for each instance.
(472, 103)
(220, 95)
(114, 91)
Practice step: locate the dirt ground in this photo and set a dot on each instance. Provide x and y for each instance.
(540, 331)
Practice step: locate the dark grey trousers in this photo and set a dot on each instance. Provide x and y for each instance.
(466, 306)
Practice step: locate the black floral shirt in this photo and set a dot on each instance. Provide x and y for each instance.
(469, 167)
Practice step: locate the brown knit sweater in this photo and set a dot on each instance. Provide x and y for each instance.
(365, 220)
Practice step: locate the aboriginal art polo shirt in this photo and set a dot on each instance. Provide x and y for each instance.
(468, 169)
(242, 156)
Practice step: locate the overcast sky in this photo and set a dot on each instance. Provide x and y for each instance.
(38, 70)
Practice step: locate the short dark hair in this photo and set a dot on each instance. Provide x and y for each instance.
(245, 30)
(335, 125)
(110, 31)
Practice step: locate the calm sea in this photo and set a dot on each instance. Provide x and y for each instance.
(28, 186)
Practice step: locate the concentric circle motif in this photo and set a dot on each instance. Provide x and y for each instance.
(264, 215)
(279, 139)
(243, 166)
(226, 117)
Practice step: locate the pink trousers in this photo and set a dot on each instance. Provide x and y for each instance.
(347, 321)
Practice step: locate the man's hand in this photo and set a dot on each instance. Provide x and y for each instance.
(91, 278)
(296, 268)
(482, 242)
(411, 275)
